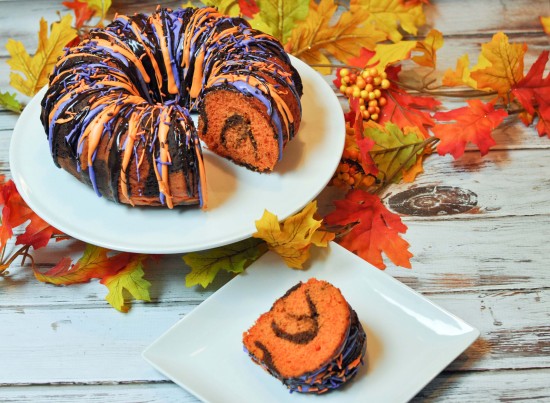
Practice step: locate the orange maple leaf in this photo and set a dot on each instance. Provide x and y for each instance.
(94, 263)
(375, 230)
(506, 68)
(429, 47)
(82, 12)
(533, 93)
(404, 109)
(15, 213)
(473, 123)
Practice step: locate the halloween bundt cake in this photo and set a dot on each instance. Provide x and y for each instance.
(311, 339)
(116, 111)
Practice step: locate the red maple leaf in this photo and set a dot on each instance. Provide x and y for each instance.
(362, 60)
(533, 93)
(374, 229)
(365, 144)
(404, 109)
(82, 12)
(473, 123)
(15, 213)
(249, 8)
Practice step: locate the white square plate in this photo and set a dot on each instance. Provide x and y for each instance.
(409, 339)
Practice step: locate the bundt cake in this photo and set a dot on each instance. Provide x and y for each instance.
(116, 111)
(311, 339)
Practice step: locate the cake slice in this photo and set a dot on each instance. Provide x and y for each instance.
(311, 339)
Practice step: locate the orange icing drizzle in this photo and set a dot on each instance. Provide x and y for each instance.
(137, 34)
(197, 75)
(162, 177)
(126, 53)
(172, 86)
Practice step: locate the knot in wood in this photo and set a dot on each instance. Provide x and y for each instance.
(429, 201)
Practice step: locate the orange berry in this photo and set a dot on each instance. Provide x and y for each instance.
(385, 84)
(382, 101)
(376, 109)
(353, 154)
(343, 89)
(345, 80)
(373, 71)
(369, 88)
(364, 73)
(372, 96)
(366, 115)
(374, 102)
(360, 82)
(361, 100)
(369, 80)
(374, 116)
(383, 75)
(377, 81)
(344, 176)
(353, 77)
(364, 94)
(344, 72)
(351, 181)
(349, 91)
(362, 108)
(372, 109)
(356, 92)
(377, 93)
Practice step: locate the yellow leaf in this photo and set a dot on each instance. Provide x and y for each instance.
(129, 279)
(293, 239)
(387, 54)
(388, 15)
(101, 7)
(37, 68)
(506, 65)
(429, 47)
(226, 7)
(545, 22)
(462, 73)
(278, 17)
(313, 39)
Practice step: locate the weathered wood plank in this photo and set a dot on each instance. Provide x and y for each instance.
(504, 386)
(515, 334)
(447, 388)
(142, 392)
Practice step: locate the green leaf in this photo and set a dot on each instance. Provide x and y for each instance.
(394, 151)
(278, 17)
(8, 101)
(226, 7)
(233, 258)
(129, 279)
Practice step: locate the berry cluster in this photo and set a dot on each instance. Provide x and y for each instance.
(349, 172)
(367, 86)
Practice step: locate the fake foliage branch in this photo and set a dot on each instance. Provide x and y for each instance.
(392, 126)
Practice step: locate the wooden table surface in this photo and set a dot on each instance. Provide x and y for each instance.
(489, 265)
